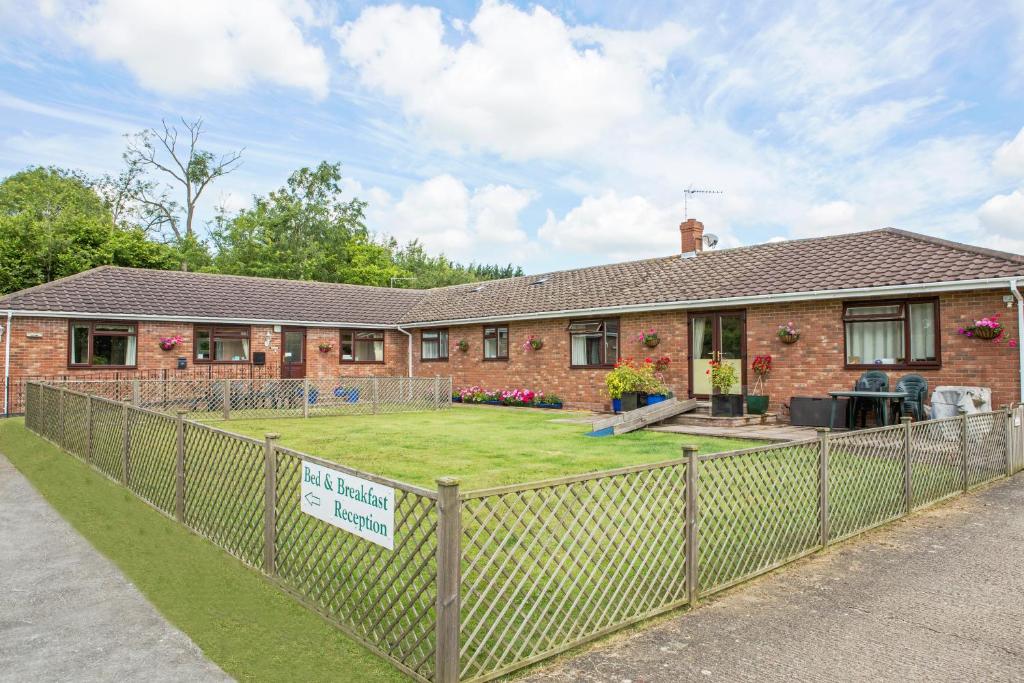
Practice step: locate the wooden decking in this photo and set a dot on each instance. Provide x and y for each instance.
(769, 432)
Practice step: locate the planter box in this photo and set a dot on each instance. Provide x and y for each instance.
(811, 411)
(655, 398)
(551, 406)
(616, 405)
(727, 405)
(630, 401)
(757, 405)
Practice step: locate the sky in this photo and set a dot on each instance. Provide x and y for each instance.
(553, 135)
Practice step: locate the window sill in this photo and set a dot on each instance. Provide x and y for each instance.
(433, 360)
(591, 367)
(103, 367)
(502, 359)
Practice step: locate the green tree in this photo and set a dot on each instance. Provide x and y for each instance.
(426, 271)
(53, 224)
(305, 230)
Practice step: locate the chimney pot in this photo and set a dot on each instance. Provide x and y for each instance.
(691, 232)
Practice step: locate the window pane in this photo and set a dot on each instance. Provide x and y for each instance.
(894, 310)
(293, 347)
(586, 349)
(922, 332)
(117, 350)
(490, 347)
(203, 345)
(346, 347)
(231, 349)
(874, 343)
(611, 345)
(369, 350)
(442, 344)
(79, 344)
(430, 349)
(114, 327)
(502, 342)
(585, 326)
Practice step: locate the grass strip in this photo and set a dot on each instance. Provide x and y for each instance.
(244, 624)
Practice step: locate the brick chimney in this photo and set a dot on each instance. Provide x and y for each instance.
(691, 231)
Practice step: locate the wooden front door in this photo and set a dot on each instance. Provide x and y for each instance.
(718, 335)
(293, 352)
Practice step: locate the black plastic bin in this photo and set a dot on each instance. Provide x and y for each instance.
(811, 411)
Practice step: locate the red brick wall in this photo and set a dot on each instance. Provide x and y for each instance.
(812, 366)
(48, 354)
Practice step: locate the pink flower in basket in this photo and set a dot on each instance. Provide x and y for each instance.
(168, 343)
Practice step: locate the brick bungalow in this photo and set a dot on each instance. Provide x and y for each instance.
(884, 299)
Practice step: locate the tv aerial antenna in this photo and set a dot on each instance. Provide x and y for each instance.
(692, 191)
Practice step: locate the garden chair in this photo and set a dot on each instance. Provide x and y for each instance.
(916, 388)
(872, 380)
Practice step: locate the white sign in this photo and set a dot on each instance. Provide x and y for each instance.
(361, 507)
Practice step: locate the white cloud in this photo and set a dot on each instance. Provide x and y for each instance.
(1009, 158)
(618, 227)
(446, 216)
(1004, 215)
(523, 84)
(189, 47)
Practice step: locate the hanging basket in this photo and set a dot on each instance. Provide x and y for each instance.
(651, 342)
(986, 332)
(789, 338)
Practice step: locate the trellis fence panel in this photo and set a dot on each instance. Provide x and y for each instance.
(215, 399)
(482, 583)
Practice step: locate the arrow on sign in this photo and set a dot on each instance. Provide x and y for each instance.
(312, 500)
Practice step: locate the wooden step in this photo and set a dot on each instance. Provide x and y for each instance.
(697, 418)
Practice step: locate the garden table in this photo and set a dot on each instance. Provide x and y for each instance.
(883, 400)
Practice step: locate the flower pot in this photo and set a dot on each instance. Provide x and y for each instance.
(727, 405)
(757, 405)
(456, 399)
(789, 338)
(616, 405)
(167, 346)
(651, 342)
(553, 406)
(655, 398)
(630, 401)
(537, 344)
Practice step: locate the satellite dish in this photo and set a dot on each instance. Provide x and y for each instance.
(711, 241)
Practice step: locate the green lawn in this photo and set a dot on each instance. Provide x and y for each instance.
(246, 625)
(481, 445)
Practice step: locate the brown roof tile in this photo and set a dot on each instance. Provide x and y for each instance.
(110, 290)
(885, 257)
(878, 258)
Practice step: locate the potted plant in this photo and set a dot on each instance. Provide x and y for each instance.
(650, 338)
(463, 345)
(757, 402)
(543, 400)
(168, 343)
(624, 383)
(533, 343)
(654, 380)
(723, 378)
(788, 333)
(325, 347)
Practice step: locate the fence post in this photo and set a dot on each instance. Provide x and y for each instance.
(225, 392)
(376, 394)
(692, 519)
(61, 439)
(907, 493)
(270, 503)
(179, 469)
(1008, 437)
(126, 444)
(88, 428)
(437, 392)
(963, 451)
(136, 393)
(449, 568)
(305, 397)
(823, 448)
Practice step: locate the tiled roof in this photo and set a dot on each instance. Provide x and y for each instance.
(110, 290)
(878, 258)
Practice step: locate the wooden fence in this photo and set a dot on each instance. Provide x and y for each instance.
(215, 399)
(483, 583)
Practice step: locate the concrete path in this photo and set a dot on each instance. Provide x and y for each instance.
(68, 614)
(938, 597)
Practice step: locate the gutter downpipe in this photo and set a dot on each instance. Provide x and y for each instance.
(409, 346)
(1020, 331)
(7, 359)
